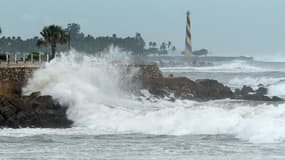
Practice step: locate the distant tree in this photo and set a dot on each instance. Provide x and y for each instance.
(154, 44)
(0, 31)
(114, 36)
(168, 44)
(150, 44)
(3, 57)
(139, 44)
(73, 29)
(173, 49)
(163, 46)
(79, 41)
(51, 36)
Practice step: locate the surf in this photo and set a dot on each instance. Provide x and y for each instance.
(92, 89)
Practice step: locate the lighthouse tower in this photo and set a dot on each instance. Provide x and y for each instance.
(188, 38)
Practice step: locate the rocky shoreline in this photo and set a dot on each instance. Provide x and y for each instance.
(32, 111)
(36, 111)
(203, 90)
(199, 90)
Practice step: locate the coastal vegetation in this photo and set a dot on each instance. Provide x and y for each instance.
(53, 35)
(72, 37)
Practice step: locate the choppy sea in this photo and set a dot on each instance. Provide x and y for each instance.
(111, 124)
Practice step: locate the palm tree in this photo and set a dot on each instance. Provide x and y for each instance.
(154, 44)
(173, 49)
(52, 35)
(150, 44)
(163, 46)
(168, 44)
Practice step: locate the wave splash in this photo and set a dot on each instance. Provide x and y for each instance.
(91, 88)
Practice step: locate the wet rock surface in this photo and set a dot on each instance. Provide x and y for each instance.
(199, 90)
(32, 111)
(184, 88)
(248, 93)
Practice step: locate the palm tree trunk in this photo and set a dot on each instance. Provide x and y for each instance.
(53, 50)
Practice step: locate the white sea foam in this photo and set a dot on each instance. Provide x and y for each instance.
(91, 88)
(232, 67)
(254, 81)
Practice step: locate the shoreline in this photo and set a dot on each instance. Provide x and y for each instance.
(37, 111)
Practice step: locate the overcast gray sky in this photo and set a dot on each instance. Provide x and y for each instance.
(225, 27)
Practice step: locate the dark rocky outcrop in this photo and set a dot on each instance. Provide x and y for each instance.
(43, 112)
(185, 88)
(247, 93)
(32, 111)
(200, 90)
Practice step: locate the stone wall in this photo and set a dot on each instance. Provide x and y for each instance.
(17, 74)
(13, 79)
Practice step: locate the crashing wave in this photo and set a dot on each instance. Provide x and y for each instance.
(91, 88)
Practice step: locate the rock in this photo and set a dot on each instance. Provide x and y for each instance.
(185, 88)
(275, 98)
(200, 90)
(246, 90)
(35, 94)
(256, 97)
(8, 111)
(158, 92)
(32, 111)
(247, 93)
(2, 120)
(212, 89)
(261, 90)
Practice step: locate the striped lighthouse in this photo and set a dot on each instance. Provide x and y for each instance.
(188, 38)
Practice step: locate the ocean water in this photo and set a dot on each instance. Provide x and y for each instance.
(110, 123)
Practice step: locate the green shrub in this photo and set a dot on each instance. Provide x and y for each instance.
(3, 57)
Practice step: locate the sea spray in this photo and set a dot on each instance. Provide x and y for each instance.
(90, 86)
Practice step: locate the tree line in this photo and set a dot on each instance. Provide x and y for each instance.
(55, 38)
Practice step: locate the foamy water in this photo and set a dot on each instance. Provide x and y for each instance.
(108, 119)
(92, 90)
(255, 81)
(231, 67)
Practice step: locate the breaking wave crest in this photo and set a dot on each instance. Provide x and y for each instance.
(91, 87)
(232, 67)
(255, 81)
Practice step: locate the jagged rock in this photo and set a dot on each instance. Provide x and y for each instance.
(261, 90)
(256, 97)
(185, 88)
(247, 93)
(212, 89)
(275, 98)
(246, 90)
(32, 111)
(200, 90)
